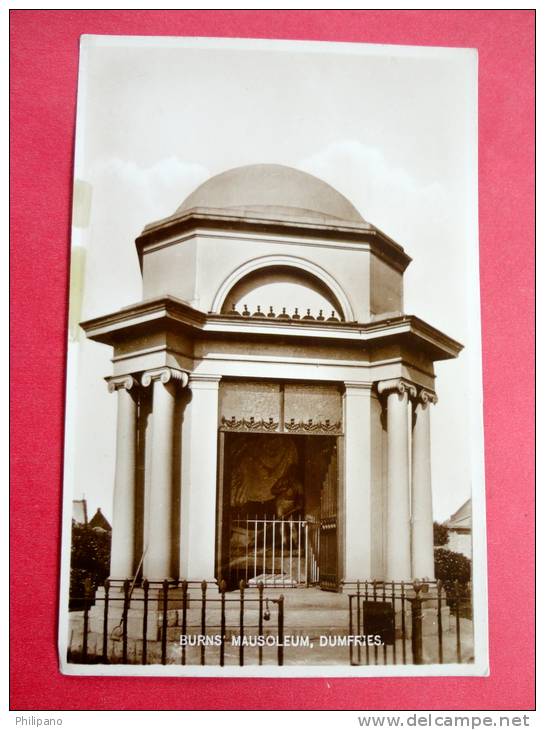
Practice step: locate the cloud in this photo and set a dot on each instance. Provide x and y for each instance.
(416, 213)
(149, 192)
(127, 196)
(386, 194)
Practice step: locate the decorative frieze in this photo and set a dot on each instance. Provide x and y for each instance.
(314, 427)
(263, 425)
(260, 425)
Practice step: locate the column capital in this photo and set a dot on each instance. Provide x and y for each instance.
(165, 375)
(119, 382)
(426, 397)
(400, 385)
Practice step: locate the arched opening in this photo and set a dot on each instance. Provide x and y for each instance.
(283, 290)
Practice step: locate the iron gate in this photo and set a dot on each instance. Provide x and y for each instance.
(277, 552)
(328, 555)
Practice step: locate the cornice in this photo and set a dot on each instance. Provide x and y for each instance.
(200, 218)
(104, 328)
(171, 313)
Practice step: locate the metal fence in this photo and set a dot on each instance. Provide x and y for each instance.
(165, 622)
(408, 623)
(278, 552)
(200, 623)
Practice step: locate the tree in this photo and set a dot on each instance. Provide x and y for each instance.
(89, 561)
(440, 534)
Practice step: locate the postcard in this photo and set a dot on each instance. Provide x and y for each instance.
(273, 445)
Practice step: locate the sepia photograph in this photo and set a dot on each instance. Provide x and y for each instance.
(273, 460)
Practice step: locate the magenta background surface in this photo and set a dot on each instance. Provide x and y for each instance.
(44, 62)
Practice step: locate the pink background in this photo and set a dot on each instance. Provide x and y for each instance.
(44, 63)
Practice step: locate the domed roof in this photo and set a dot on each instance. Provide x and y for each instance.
(275, 191)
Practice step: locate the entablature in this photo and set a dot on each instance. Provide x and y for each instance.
(167, 314)
(169, 230)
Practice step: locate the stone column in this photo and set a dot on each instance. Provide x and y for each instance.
(159, 520)
(422, 511)
(123, 523)
(199, 479)
(398, 525)
(357, 470)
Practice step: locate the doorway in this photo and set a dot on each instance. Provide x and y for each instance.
(278, 510)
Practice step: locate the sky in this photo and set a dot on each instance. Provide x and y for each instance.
(392, 128)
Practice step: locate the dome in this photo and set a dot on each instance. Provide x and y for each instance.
(273, 191)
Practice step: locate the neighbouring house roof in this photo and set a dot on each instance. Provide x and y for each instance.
(99, 521)
(79, 511)
(461, 519)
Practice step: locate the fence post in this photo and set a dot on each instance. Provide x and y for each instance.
(394, 655)
(86, 601)
(281, 630)
(184, 616)
(385, 646)
(416, 619)
(307, 555)
(105, 621)
(145, 623)
(222, 646)
(440, 620)
(403, 626)
(359, 626)
(126, 588)
(203, 620)
(458, 642)
(241, 625)
(375, 648)
(165, 623)
(260, 587)
(364, 629)
(350, 630)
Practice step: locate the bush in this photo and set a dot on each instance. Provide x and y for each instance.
(451, 567)
(89, 562)
(440, 534)
(454, 571)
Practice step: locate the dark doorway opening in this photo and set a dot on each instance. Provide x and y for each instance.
(277, 520)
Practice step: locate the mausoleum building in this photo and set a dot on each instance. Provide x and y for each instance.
(273, 398)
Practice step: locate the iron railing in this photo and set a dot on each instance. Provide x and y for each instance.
(165, 622)
(200, 623)
(276, 552)
(416, 622)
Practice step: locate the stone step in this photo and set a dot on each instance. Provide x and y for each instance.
(334, 617)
